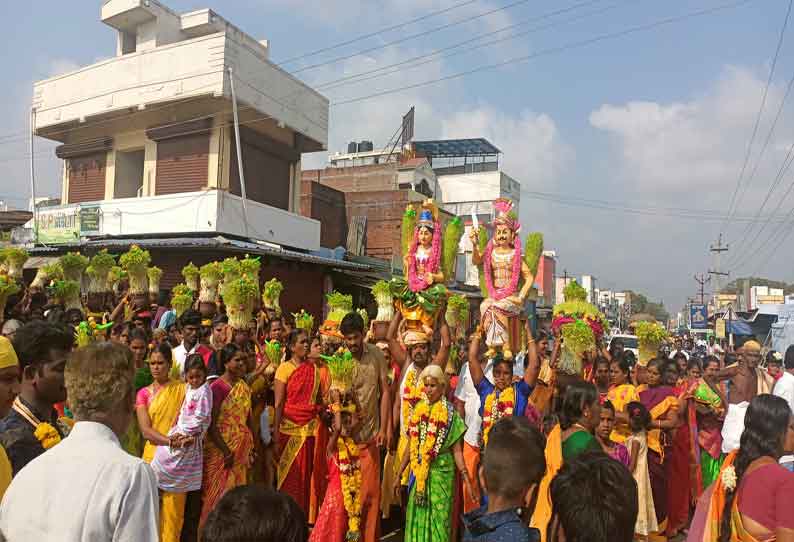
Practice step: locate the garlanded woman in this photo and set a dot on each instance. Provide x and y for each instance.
(751, 499)
(662, 403)
(579, 417)
(434, 450)
(298, 401)
(230, 442)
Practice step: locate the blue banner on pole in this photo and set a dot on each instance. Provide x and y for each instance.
(698, 317)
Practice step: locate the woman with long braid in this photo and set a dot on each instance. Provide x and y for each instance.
(751, 499)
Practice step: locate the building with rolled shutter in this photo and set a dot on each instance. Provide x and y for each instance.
(149, 147)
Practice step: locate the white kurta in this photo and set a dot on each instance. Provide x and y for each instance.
(85, 489)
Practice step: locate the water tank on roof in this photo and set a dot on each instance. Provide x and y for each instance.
(352, 147)
(365, 146)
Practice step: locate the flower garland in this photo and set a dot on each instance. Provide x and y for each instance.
(428, 430)
(350, 472)
(413, 392)
(497, 406)
(515, 273)
(44, 432)
(415, 283)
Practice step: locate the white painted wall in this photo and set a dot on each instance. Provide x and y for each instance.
(210, 211)
(182, 70)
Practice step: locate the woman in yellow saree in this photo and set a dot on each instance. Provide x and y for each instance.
(621, 393)
(751, 499)
(157, 409)
(230, 443)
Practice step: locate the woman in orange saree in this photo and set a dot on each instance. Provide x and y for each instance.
(750, 500)
(230, 443)
(298, 401)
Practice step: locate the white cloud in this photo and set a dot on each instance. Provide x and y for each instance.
(60, 66)
(671, 149)
(533, 150)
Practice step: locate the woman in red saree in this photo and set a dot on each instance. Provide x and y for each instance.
(230, 442)
(662, 403)
(298, 402)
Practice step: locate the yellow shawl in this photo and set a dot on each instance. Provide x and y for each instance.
(163, 412)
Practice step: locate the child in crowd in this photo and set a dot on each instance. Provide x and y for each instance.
(637, 443)
(512, 465)
(255, 514)
(340, 514)
(179, 467)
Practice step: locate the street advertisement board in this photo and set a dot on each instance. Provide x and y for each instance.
(58, 226)
(698, 317)
(67, 224)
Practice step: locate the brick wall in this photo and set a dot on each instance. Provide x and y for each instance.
(327, 205)
(356, 179)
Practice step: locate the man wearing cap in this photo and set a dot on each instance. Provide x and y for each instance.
(42, 348)
(746, 381)
(9, 389)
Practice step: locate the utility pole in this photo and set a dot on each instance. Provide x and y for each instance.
(717, 251)
(702, 280)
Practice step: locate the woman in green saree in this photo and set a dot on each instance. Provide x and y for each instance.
(435, 449)
(579, 417)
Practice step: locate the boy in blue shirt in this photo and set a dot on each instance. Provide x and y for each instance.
(512, 465)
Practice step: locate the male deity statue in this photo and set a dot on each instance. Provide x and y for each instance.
(507, 276)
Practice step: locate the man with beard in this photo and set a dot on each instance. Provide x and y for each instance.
(42, 349)
(371, 386)
(190, 323)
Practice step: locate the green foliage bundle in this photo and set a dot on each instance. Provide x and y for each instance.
(452, 234)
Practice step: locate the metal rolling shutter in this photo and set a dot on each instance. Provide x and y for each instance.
(87, 177)
(182, 164)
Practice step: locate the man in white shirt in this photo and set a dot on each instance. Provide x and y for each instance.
(784, 387)
(190, 323)
(713, 348)
(87, 488)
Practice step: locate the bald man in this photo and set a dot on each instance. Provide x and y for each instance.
(746, 381)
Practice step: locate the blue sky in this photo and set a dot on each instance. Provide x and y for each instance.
(659, 118)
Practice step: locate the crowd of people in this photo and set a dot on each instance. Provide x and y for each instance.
(189, 421)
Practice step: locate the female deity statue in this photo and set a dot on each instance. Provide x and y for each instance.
(507, 276)
(428, 261)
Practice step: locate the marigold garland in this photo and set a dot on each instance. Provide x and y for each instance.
(497, 406)
(47, 435)
(350, 471)
(428, 430)
(413, 392)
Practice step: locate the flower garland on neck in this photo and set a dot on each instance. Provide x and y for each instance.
(413, 392)
(428, 431)
(416, 283)
(515, 273)
(497, 406)
(350, 473)
(44, 432)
